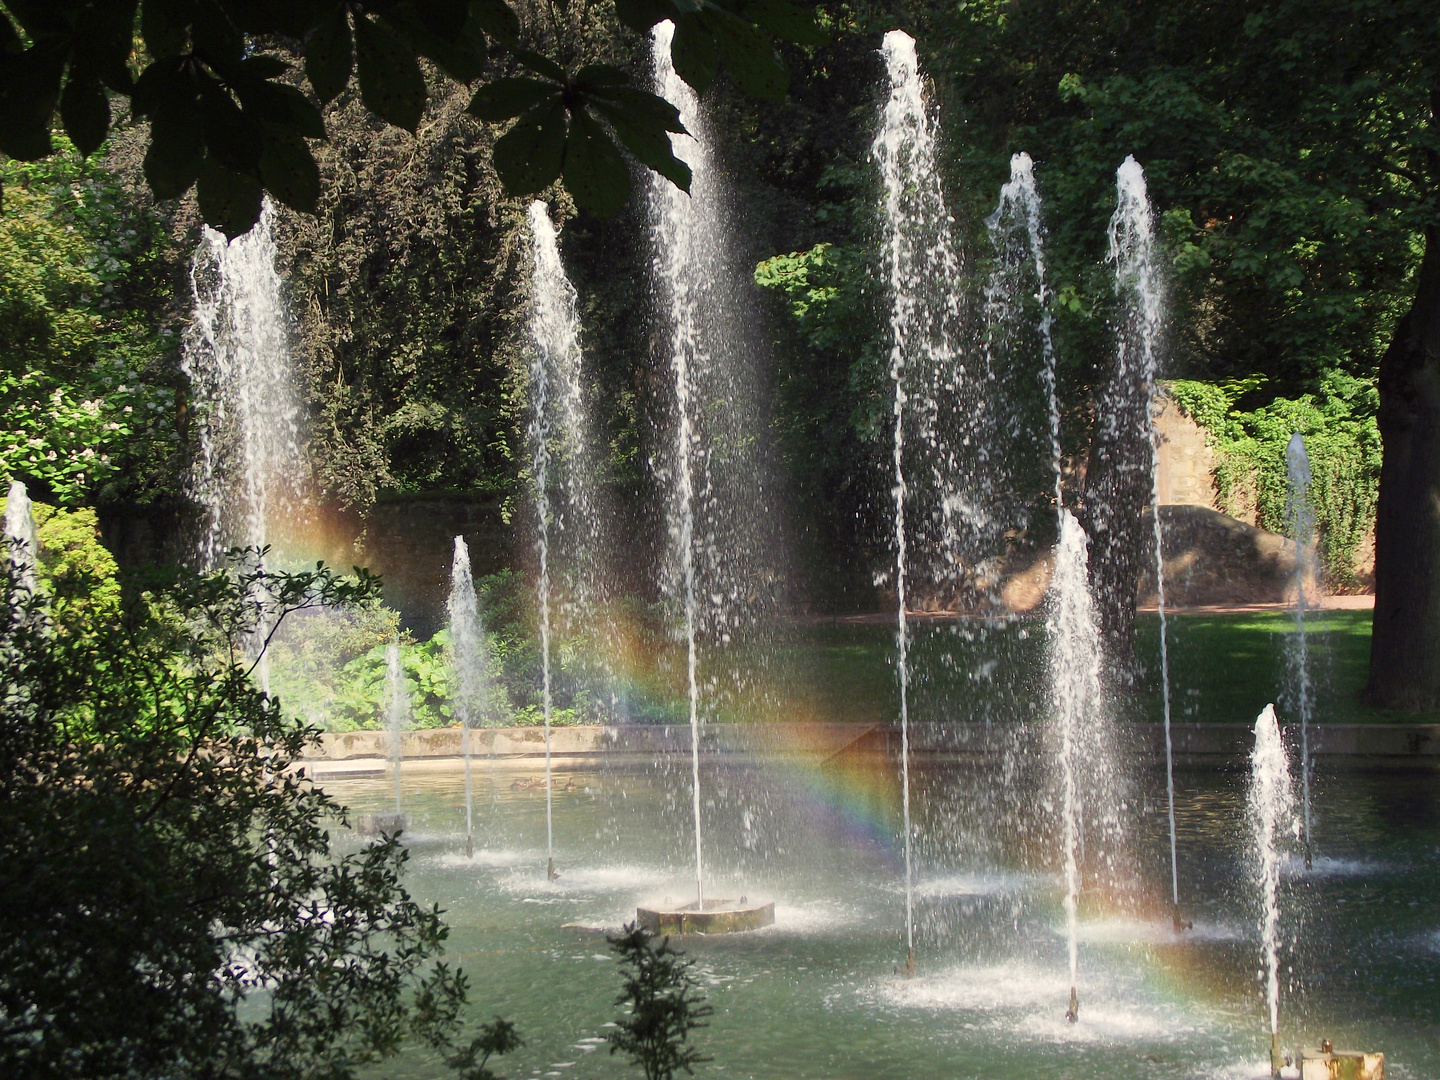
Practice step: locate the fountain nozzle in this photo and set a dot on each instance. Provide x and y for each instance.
(550, 874)
(910, 963)
(1277, 1060)
(1307, 856)
(1179, 923)
(469, 846)
(1072, 1014)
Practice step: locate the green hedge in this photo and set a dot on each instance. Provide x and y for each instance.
(1342, 440)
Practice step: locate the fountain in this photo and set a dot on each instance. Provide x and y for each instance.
(20, 535)
(1079, 715)
(1270, 808)
(468, 669)
(251, 469)
(397, 711)
(923, 276)
(1137, 285)
(1301, 520)
(712, 545)
(252, 466)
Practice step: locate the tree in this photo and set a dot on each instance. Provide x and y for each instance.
(1291, 151)
(663, 1005)
(213, 83)
(170, 903)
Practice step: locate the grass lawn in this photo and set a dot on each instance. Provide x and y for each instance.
(1223, 669)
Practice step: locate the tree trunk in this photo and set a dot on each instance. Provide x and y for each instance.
(1405, 643)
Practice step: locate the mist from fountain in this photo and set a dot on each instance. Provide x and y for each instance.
(397, 710)
(469, 671)
(1270, 809)
(1137, 285)
(20, 536)
(1300, 518)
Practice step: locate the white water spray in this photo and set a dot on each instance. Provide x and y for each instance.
(20, 536)
(923, 276)
(397, 708)
(1077, 707)
(468, 667)
(1137, 284)
(1271, 812)
(682, 236)
(251, 468)
(1301, 519)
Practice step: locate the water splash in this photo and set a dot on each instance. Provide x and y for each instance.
(20, 536)
(1270, 808)
(1137, 284)
(469, 669)
(397, 709)
(1077, 708)
(1301, 520)
(919, 260)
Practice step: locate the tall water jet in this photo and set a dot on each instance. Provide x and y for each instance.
(1141, 307)
(1077, 708)
(1301, 520)
(720, 571)
(923, 275)
(251, 466)
(397, 710)
(1020, 210)
(1270, 808)
(468, 667)
(556, 360)
(20, 536)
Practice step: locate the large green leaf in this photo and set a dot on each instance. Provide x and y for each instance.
(504, 99)
(103, 41)
(328, 54)
(163, 27)
(279, 103)
(541, 65)
(648, 141)
(497, 19)
(642, 107)
(641, 15)
(457, 47)
(229, 200)
(694, 54)
(391, 83)
(595, 173)
(85, 111)
(29, 88)
(529, 156)
(231, 137)
(288, 170)
(750, 59)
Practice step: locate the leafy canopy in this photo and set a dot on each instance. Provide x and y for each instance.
(226, 118)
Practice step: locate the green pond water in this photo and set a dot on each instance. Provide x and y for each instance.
(816, 995)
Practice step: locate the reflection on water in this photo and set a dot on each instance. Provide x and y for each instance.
(816, 995)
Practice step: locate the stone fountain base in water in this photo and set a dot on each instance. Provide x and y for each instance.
(389, 822)
(713, 917)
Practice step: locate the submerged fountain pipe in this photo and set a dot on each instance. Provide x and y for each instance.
(466, 643)
(1137, 284)
(1301, 519)
(1270, 808)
